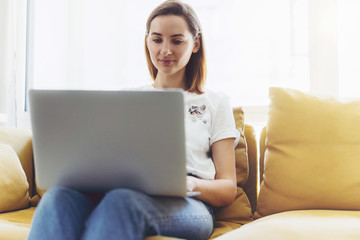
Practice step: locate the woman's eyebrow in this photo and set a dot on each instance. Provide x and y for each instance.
(178, 35)
(174, 35)
(155, 33)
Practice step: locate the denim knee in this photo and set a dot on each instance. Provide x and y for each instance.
(60, 191)
(128, 205)
(63, 194)
(123, 198)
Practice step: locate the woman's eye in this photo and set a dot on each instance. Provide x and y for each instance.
(157, 40)
(177, 42)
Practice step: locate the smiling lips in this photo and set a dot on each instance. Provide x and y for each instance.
(166, 61)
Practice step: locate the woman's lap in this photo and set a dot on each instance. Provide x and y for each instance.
(138, 215)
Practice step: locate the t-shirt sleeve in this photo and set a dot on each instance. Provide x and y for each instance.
(224, 123)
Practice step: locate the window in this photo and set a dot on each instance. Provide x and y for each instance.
(250, 45)
(349, 48)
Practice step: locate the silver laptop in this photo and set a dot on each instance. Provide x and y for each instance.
(100, 140)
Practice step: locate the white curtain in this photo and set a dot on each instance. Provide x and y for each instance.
(12, 58)
(6, 61)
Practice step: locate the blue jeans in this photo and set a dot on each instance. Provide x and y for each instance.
(64, 213)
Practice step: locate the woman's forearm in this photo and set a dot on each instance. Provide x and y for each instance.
(217, 193)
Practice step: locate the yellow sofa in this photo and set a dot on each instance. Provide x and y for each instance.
(17, 183)
(308, 169)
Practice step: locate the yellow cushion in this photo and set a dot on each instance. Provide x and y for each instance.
(21, 141)
(13, 183)
(301, 225)
(312, 157)
(241, 157)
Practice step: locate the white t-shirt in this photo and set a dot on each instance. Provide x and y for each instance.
(209, 118)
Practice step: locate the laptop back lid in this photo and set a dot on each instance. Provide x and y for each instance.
(100, 140)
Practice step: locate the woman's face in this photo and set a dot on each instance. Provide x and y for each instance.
(170, 44)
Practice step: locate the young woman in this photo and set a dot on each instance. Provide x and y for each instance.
(176, 59)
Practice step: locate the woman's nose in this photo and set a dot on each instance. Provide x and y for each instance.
(165, 50)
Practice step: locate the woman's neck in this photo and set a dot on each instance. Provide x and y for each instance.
(172, 81)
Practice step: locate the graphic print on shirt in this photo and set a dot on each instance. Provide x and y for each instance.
(198, 127)
(198, 113)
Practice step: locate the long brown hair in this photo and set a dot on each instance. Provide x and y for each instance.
(195, 73)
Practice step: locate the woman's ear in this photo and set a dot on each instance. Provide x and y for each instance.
(196, 44)
(146, 40)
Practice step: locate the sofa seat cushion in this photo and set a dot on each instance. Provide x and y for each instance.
(23, 216)
(16, 224)
(13, 231)
(301, 225)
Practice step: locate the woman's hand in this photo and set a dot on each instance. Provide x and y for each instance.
(190, 183)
